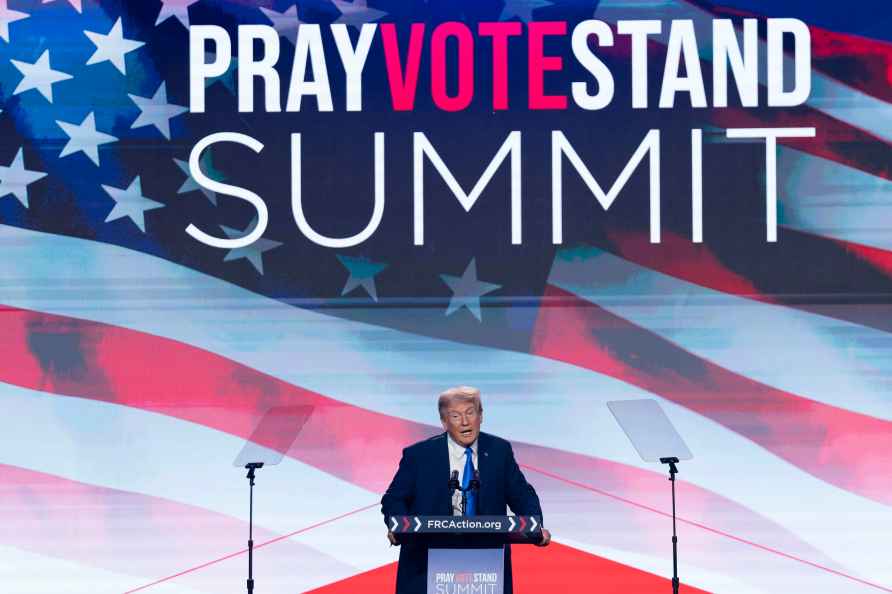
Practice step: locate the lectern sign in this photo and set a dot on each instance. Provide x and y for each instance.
(451, 524)
(466, 571)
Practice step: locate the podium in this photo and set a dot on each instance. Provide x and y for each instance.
(466, 554)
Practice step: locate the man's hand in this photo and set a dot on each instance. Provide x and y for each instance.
(546, 538)
(392, 538)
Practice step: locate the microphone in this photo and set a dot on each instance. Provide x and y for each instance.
(474, 483)
(453, 482)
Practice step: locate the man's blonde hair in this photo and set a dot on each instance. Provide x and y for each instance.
(459, 394)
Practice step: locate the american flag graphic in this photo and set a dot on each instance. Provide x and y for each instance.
(136, 361)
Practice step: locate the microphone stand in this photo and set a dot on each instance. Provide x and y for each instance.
(473, 485)
(673, 470)
(454, 486)
(251, 466)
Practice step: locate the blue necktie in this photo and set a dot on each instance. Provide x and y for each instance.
(467, 475)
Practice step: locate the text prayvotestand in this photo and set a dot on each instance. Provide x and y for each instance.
(466, 571)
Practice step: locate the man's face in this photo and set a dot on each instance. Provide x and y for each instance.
(462, 422)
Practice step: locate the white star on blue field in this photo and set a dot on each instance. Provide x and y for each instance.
(286, 23)
(178, 9)
(8, 16)
(356, 13)
(84, 137)
(112, 47)
(467, 291)
(190, 185)
(156, 111)
(362, 274)
(39, 76)
(130, 203)
(252, 253)
(15, 179)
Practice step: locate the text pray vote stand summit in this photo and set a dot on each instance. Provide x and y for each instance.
(655, 440)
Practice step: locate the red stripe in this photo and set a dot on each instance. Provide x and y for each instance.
(841, 447)
(878, 258)
(862, 63)
(700, 264)
(556, 568)
(90, 360)
(559, 568)
(679, 257)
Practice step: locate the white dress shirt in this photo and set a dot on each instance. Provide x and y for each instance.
(457, 462)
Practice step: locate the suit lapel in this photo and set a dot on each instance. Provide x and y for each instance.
(443, 471)
(482, 462)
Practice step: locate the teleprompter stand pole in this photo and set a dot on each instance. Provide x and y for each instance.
(251, 466)
(673, 470)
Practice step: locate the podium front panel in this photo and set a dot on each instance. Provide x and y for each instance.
(466, 571)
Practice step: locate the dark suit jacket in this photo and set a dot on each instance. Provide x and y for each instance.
(420, 488)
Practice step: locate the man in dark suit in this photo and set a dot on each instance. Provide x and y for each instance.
(420, 486)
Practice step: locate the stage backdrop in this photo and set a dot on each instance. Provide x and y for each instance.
(227, 221)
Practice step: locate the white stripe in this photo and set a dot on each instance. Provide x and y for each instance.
(768, 576)
(31, 573)
(831, 199)
(398, 373)
(689, 574)
(814, 356)
(89, 441)
(135, 451)
(851, 106)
